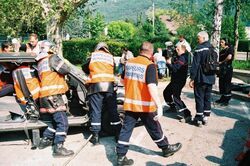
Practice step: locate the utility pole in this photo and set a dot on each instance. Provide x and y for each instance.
(153, 14)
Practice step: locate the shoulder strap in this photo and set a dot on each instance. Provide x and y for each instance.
(31, 106)
(23, 85)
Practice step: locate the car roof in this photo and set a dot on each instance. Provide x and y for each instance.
(19, 57)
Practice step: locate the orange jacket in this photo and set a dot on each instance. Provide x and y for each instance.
(31, 81)
(101, 67)
(52, 83)
(137, 97)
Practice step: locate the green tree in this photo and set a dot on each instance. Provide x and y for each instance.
(56, 12)
(190, 31)
(121, 30)
(24, 13)
(75, 25)
(227, 29)
(95, 25)
(19, 17)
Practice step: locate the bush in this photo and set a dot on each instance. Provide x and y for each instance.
(121, 30)
(239, 64)
(244, 46)
(77, 51)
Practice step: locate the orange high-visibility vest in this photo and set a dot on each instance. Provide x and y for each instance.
(31, 81)
(137, 97)
(52, 83)
(101, 67)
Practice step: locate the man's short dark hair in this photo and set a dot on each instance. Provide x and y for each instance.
(5, 44)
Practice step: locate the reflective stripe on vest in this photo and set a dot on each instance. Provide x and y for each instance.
(137, 97)
(101, 67)
(33, 93)
(31, 82)
(52, 83)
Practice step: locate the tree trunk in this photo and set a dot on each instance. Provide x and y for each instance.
(236, 26)
(54, 28)
(57, 18)
(215, 37)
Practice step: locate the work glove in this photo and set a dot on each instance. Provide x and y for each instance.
(159, 113)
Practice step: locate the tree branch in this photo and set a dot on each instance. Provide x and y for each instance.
(46, 7)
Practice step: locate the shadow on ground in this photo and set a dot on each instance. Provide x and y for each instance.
(234, 138)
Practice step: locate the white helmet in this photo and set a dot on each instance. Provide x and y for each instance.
(102, 45)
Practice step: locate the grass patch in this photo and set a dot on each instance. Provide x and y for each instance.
(240, 64)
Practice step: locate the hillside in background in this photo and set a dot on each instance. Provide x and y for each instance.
(126, 9)
(133, 9)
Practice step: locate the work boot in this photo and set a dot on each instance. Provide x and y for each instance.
(223, 104)
(186, 119)
(94, 139)
(45, 142)
(197, 123)
(205, 121)
(218, 101)
(172, 108)
(187, 116)
(60, 151)
(221, 100)
(171, 149)
(198, 120)
(123, 160)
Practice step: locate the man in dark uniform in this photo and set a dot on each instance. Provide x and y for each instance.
(226, 72)
(100, 68)
(201, 82)
(141, 101)
(179, 70)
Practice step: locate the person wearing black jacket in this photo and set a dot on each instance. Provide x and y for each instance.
(179, 71)
(226, 72)
(201, 82)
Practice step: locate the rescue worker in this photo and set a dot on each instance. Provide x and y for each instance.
(100, 68)
(53, 103)
(201, 82)
(226, 72)
(141, 101)
(172, 93)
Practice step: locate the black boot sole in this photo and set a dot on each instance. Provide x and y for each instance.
(61, 156)
(172, 153)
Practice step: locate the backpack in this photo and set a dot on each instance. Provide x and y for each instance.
(211, 64)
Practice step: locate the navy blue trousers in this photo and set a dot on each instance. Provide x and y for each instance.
(202, 94)
(225, 85)
(172, 96)
(153, 127)
(57, 126)
(96, 103)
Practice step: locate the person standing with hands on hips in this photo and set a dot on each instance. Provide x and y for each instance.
(141, 101)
